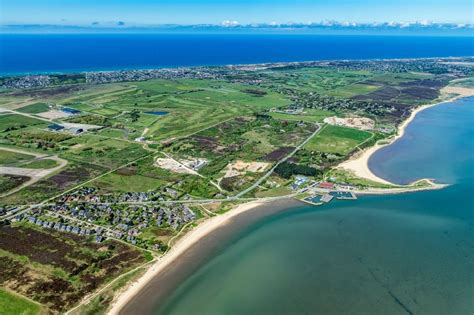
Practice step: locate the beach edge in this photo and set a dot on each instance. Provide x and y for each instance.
(358, 164)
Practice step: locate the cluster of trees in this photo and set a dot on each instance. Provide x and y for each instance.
(135, 115)
(262, 116)
(13, 128)
(255, 92)
(287, 169)
(40, 139)
(91, 120)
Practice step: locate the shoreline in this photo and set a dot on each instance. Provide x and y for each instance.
(192, 239)
(359, 163)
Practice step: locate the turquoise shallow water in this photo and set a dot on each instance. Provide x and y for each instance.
(393, 254)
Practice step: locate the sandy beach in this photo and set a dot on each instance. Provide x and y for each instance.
(359, 163)
(182, 246)
(400, 190)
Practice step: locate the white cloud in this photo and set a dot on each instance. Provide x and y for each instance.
(228, 23)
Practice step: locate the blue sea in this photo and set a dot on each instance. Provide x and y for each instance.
(87, 52)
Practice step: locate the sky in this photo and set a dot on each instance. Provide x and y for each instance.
(243, 11)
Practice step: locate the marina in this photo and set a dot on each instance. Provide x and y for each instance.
(321, 198)
(314, 200)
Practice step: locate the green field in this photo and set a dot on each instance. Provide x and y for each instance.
(339, 140)
(34, 108)
(43, 163)
(11, 158)
(309, 115)
(102, 151)
(13, 304)
(14, 121)
(125, 183)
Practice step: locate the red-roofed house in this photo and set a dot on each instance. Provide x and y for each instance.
(326, 185)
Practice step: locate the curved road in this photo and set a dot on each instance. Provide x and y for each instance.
(34, 174)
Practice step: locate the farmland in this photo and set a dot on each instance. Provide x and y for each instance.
(130, 160)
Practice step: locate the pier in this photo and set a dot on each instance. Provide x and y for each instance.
(343, 195)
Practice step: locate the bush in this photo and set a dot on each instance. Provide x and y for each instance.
(286, 170)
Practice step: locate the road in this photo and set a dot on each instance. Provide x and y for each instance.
(34, 174)
(264, 177)
(11, 111)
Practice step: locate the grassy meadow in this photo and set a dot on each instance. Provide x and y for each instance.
(336, 139)
(13, 304)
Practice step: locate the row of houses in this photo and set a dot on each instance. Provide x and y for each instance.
(65, 227)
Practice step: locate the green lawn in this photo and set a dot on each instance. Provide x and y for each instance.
(8, 157)
(352, 90)
(12, 304)
(113, 133)
(105, 111)
(34, 108)
(45, 163)
(120, 183)
(17, 121)
(339, 140)
(309, 115)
